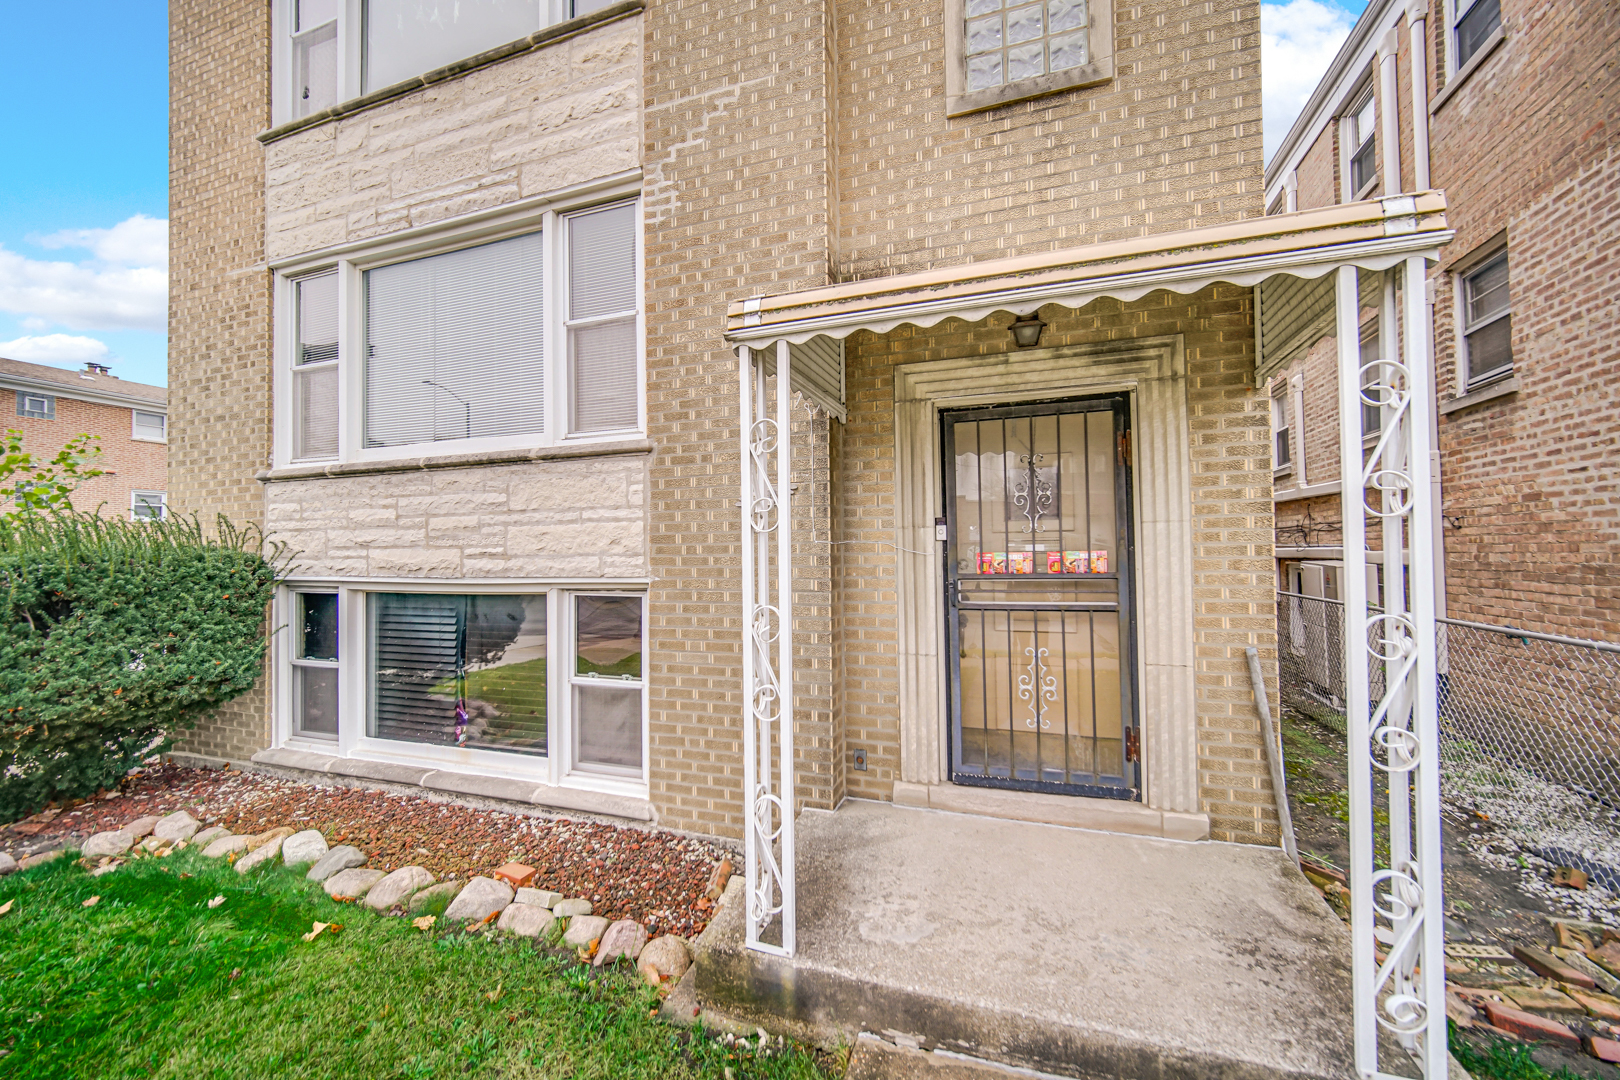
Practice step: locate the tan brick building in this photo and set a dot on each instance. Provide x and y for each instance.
(129, 421)
(477, 322)
(1518, 128)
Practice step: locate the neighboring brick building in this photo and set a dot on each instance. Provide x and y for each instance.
(468, 341)
(129, 420)
(1519, 107)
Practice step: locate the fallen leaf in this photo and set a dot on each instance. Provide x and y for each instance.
(320, 927)
(92, 902)
(487, 919)
(5, 907)
(216, 901)
(495, 994)
(425, 922)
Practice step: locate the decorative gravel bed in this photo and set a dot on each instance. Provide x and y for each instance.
(657, 879)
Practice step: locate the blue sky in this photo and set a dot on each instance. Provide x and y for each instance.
(84, 199)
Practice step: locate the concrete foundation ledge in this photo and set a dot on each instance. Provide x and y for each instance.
(524, 793)
(1099, 815)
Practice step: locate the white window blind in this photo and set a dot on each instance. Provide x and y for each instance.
(455, 345)
(1488, 320)
(315, 369)
(410, 37)
(150, 425)
(602, 332)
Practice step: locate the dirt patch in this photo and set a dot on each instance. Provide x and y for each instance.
(655, 878)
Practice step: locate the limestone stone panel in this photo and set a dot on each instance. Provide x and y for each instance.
(469, 522)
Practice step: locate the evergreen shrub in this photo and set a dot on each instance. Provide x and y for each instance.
(114, 635)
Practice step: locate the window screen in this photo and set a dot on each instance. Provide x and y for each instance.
(602, 337)
(455, 345)
(1009, 41)
(459, 670)
(315, 56)
(607, 681)
(149, 425)
(315, 664)
(315, 369)
(1488, 320)
(410, 37)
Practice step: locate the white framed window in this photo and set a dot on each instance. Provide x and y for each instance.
(1472, 24)
(537, 681)
(1000, 51)
(36, 406)
(1486, 316)
(467, 342)
(1361, 146)
(1282, 456)
(148, 505)
(1372, 415)
(330, 51)
(149, 426)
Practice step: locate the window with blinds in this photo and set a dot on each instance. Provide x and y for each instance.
(455, 345)
(315, 368)
(603, 347)
(459, 670)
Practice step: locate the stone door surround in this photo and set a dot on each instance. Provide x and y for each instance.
(1153, 372)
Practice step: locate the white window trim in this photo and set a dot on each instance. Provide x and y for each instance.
(959, 100)
(1281, 406)
(1459, 308)
(1296, 384)
(294, 661)
(49, 410)
(1454, 11)
(543, 214)
(136, 497)
(134, 426)
(555, 769)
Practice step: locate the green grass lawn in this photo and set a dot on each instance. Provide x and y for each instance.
(151, 982)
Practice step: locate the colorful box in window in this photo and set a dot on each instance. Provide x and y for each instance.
(1075, 562)
(992, 562)
(1021, 562)
(1099, 562)
(1054, 562)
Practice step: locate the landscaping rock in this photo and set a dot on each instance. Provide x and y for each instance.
(446, 890)
(342, 857)
(538, 897)
(209, 835)
(222, 846)
(154, 844)
(259, 840)
(140, 827)
(8, 865)
(667, 956)
(479, 900)
(624, 938)
(177, 826)
(584, 929)
(397, 887)
(303, 848)
(267, 852)
(107, 843)
(353, 883)
(525, 920)
(1530, 1026)
(39, 860)
(1539, 999)
(109, 868)
(567, 909)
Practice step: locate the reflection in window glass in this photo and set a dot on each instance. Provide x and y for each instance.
(317, 626)
(608, 684)
(405, 38)
(460, 670)
(1475, 26)
(315, 664)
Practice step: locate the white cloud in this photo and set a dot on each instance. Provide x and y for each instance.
(124, 287)
(137, 241)
(1298, 40)
(55, 349)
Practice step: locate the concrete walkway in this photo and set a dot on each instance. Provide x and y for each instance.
(1073, 952)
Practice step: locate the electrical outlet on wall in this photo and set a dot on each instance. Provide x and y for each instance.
(860, 759)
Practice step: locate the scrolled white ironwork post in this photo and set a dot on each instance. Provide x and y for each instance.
(767, 649)
(1397, 907)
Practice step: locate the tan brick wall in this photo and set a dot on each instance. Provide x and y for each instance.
(562, 115)
(219, 291)
(1318, 173)
(128, 464)
(1231, 527)
(579, 519)
(1173, 141)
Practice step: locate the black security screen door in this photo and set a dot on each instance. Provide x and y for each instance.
(1037, 587)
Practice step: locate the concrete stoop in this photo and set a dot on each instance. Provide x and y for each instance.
(999, 943)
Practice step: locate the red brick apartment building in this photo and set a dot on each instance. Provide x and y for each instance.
(1516, 119)
(51, 405)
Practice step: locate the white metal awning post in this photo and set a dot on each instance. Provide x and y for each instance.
(767, 672)
(1400, 907)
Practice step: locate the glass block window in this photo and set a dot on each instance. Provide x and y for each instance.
(1008, 42)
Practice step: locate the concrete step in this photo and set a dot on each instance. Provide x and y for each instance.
(874, 1059)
